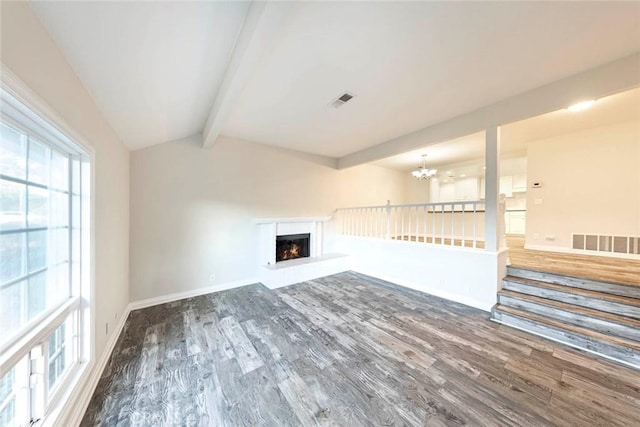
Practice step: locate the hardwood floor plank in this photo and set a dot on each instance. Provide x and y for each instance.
(303, 402)
(348, 350)
(245, 352)
(608, 269)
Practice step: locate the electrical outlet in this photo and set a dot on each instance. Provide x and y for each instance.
(212, 277)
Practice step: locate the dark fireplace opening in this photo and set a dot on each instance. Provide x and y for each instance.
(292, 246)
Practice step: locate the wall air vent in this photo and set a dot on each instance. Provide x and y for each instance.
(342, 99)
(628, 245)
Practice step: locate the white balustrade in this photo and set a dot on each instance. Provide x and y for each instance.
(459, 223)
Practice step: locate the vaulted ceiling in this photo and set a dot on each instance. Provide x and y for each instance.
(161, 71)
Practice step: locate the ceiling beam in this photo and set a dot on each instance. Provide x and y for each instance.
(614, 77)
(257, 35)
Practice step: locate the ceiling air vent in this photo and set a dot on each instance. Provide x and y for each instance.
(342, 99)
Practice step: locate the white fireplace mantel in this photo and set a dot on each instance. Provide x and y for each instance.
(272, 227)
(291, 220)
(293, 271)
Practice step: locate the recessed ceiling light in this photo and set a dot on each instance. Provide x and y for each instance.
(463, 175)
(581, 106)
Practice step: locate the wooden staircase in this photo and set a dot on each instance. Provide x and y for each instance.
(599, 317)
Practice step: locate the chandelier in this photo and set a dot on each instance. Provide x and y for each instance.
(424, 173)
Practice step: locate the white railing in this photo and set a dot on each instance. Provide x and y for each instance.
(449, 223)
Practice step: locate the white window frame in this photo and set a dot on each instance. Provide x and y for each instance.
(27, 111)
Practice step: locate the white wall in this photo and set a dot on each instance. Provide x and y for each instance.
(192, 208)
(28, 51)
(590, 184)
(466, 276)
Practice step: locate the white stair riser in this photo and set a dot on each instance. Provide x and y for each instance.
(576, 282)
(578, 319)
(621, 354)
(571, 298)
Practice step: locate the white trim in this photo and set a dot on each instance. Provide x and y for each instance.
(429, 291)
(24, 94)
(76, 405)
(567, 343)
(36, 332)
(13, 85)
(564, 250)
(136, 305)
(73, 410)
(77, 402)
(295, 219)
(16, 88)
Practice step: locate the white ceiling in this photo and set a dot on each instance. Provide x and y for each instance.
(468, 151)
(154, 67)
(413, 64)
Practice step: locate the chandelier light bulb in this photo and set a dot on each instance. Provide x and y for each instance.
(424, 172)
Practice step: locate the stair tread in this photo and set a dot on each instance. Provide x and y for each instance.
(571, 276)
(572, 328)
(578, 291)
(617, 318)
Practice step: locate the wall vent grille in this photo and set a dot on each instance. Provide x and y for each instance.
(611, 244)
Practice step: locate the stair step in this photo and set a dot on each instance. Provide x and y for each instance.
(619, 349)
(600, 321)
(576, 282)
(616, 304)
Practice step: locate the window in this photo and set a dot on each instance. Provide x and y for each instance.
(35, 230)
(44, 262)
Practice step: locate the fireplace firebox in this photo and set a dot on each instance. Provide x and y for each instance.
(292, 246)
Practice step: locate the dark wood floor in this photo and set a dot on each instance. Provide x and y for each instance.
(348, 350)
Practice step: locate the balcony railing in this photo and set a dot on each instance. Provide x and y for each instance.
(459, 223)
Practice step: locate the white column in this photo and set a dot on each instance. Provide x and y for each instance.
(492, 186)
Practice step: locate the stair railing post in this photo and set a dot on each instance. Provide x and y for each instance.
(388, 211)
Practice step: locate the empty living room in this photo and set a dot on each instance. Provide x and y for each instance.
(301, 213)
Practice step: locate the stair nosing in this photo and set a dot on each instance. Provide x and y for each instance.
(560, 305)
(610, 339)
(635, 302)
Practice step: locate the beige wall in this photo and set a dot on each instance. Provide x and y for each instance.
(415, 191)
(28, 51)
(590, 184)
(192, 208)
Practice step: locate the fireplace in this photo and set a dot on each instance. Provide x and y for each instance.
(292, 246)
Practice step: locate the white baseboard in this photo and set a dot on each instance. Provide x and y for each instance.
(72, 413)
(430, 291)
(148, 302)
(79, 402)
(564, 250)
